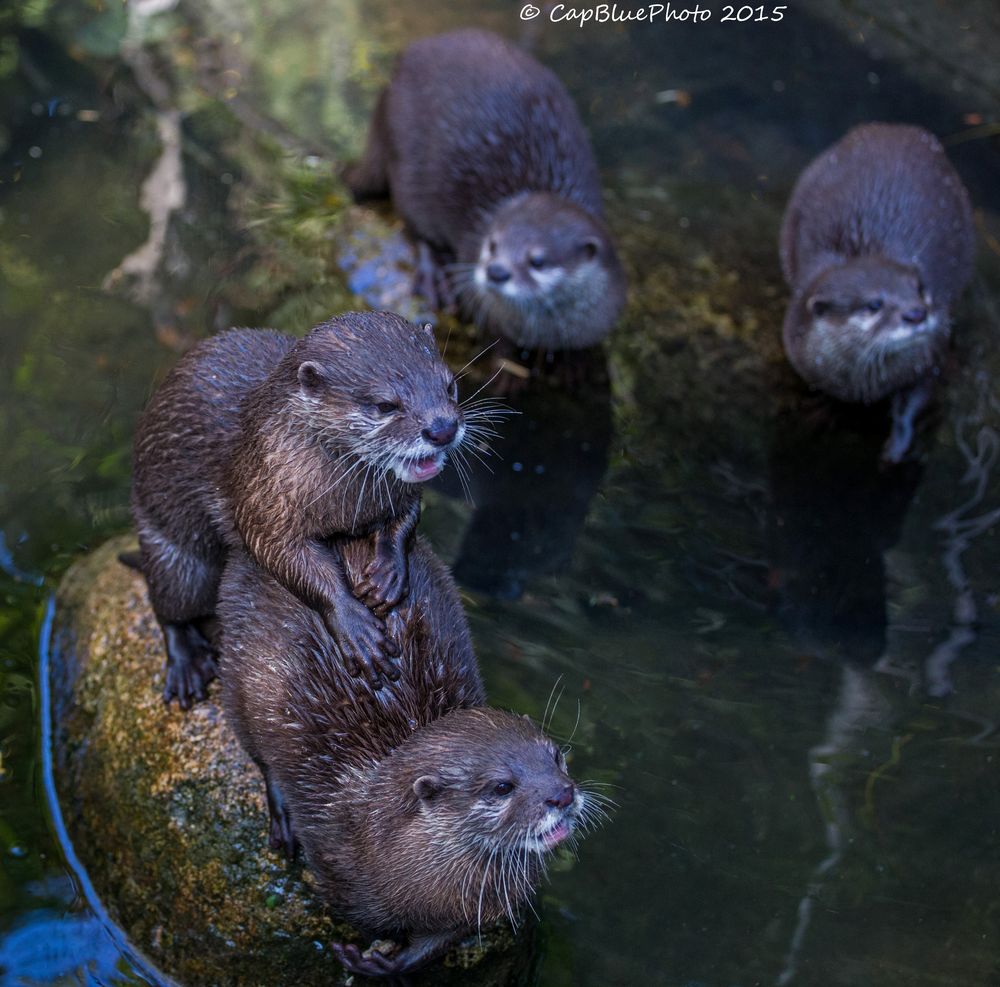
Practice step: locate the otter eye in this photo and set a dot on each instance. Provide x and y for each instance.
(387, 407)
(503, 788)
(453, 389)
(537, 259)
(820, 308)
(875, 305)
(492, 247)
(590, 248)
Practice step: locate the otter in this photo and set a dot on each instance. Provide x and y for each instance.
(290, 448)
(485, 157)
(876, 243)
(422, 813)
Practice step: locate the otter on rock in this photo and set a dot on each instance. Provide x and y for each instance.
(291, 448)
(876, 243)
(423, 815)
(488, 163)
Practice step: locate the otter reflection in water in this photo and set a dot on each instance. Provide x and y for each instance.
(836, 508)
(530, 510)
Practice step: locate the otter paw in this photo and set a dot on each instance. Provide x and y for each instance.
(385, 582)
(365, 648)
(191, 665)
(371, 963)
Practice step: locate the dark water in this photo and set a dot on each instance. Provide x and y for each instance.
(782, 657)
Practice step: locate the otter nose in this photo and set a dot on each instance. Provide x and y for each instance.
(915, 315)
(440, 431)
(563, 799)
(497, 273)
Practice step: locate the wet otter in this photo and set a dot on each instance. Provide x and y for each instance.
(876, 243)
(291, 448)
(487, 161)
(422, 813)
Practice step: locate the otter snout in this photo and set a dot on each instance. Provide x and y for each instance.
(563, 799)
(441, 431)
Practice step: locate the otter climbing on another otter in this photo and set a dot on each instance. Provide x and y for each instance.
(291, 448)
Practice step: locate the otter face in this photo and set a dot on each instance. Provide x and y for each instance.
(510, 787)
(864, 329)
(546, 274)
(378, 391)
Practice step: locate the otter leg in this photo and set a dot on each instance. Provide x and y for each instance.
(386, 579)
(191, 664)
(372, 963)
(431, 282)
(369, 177)
(182, 589)
(906, 407)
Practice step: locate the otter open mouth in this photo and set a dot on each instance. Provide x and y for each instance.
(420, 470)
(555, 834)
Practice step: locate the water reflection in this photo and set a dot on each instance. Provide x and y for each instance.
(531, 500)
(46, 948)
(836, 508)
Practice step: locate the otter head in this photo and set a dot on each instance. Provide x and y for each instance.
(546, 274)
(375, 387)
(485, 796)
(864, 329)
(503, 782)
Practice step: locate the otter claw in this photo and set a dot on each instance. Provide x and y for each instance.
(191, 665)
(384, 583)
(374, 964)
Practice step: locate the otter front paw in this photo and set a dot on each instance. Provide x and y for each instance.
(385, 582)
(365, 648)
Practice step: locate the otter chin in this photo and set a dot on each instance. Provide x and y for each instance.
(863, 330)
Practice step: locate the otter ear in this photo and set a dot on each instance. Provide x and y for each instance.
(426, 787)
(428, 328)
(591, 247)
(311, 376)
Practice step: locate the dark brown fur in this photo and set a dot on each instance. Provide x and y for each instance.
(260, 440)
(876, 244)
(391, 793)
(487, 161)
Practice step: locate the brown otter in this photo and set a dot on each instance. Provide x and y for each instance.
(487, 161)
(876, 243)
(423, 814)
(291, 448)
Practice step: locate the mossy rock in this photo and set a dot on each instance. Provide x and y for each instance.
(167, 813)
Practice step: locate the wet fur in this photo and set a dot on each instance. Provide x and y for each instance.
(347, 758)
(232, 450)
(468, 127)
(881, 210)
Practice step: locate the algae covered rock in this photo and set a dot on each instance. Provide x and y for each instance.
(167, 813)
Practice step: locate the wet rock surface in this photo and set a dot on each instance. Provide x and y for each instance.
(167, 813)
